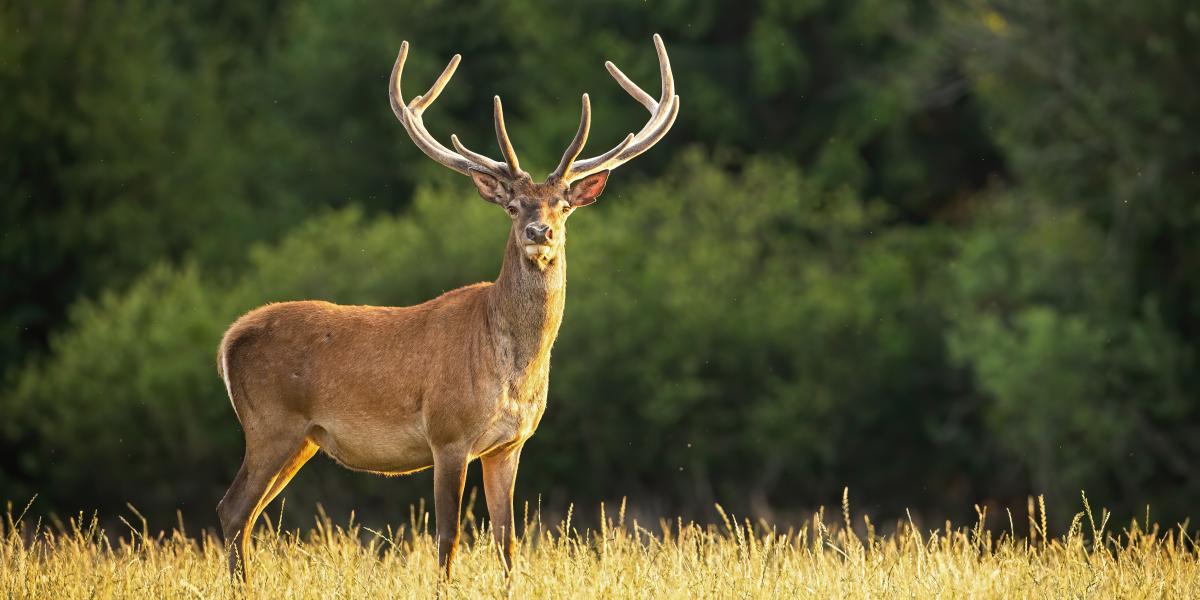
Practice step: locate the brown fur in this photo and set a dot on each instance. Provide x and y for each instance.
(399, 389)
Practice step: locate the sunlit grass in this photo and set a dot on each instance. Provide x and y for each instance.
(832, 556)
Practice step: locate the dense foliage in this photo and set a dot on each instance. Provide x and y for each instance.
(942, 253)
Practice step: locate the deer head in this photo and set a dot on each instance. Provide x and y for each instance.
(539, 211)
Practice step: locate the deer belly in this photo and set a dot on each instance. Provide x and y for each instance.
(378, 448)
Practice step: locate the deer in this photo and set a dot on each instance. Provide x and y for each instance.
(464, 376)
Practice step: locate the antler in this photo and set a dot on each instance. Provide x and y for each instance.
(662, 115)
(463, 160)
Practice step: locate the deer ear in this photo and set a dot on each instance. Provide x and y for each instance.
(489, 187)
(586, 190)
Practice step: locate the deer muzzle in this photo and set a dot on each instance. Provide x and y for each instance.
(539, 233)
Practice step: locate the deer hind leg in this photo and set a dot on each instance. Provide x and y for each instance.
(266, 469)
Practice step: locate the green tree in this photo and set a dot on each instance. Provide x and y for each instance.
(116, 156)
(1080, 315)
(1075, 374)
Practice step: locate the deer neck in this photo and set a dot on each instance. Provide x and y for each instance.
(526, 308)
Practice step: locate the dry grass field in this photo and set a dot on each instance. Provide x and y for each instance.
(737, 559)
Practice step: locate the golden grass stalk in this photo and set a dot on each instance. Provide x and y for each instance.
(79, 559)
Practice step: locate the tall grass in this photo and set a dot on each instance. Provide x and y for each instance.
(825, 558)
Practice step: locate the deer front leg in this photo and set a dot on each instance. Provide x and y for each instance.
(449, 476)
(499, 477)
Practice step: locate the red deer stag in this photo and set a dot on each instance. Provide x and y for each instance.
(396, 390)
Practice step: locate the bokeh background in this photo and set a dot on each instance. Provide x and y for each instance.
(942, 253)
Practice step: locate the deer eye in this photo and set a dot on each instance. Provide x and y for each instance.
(566, 209)
(512, 210)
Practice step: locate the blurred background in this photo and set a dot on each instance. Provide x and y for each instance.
(942, 253)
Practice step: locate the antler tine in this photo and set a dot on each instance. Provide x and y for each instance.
(395, 96)
(583, 166)
(651, 135)
(664, 68)
(667, 90)
(629, 86)
(409, 116)
(420, 103)
(475, 156)
(581, 135)
(506, 147)
(663, 113)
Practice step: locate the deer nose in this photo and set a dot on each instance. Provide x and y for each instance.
(539, 233)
